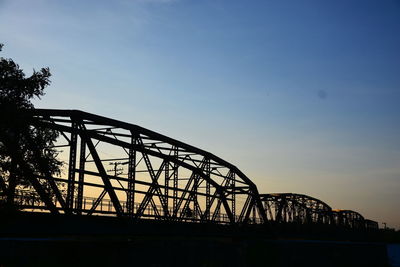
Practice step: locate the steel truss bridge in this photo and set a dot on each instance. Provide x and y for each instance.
(119, 169)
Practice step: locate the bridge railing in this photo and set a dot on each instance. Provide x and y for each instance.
(30, 201)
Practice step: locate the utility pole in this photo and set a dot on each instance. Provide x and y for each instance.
(117, 171)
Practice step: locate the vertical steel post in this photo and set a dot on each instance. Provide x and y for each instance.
(81, 176)
(233, 197)
(175, 180)
(71, 167)
(194, 195)
(208, 191)
(130, 205)
(166, 185)
(254, 213)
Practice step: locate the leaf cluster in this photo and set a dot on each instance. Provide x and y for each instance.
(16, 89)
(23, 148)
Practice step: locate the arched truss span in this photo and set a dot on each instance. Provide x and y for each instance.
(372, 225)
(296, 208)
(349, 219)
(122, 169)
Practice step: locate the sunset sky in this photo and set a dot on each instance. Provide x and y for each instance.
(302, 96)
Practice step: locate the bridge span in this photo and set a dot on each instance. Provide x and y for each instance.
(120, 169)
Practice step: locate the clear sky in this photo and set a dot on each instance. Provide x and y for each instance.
(302, 96)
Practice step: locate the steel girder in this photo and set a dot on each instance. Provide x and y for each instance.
(158, 177)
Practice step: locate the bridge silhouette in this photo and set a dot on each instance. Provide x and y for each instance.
(155, 177)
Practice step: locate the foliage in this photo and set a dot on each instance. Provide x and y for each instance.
(24, 150)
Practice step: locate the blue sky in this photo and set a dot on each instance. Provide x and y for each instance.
(302, 96)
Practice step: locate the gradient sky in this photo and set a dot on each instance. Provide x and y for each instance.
(302, 96)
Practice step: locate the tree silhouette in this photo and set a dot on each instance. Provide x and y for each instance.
(25, 151)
